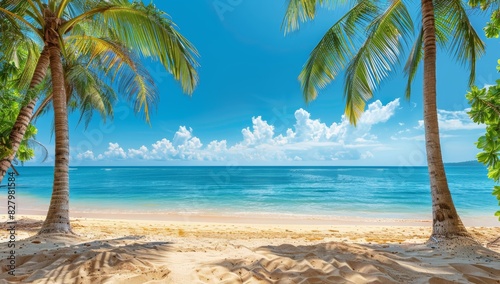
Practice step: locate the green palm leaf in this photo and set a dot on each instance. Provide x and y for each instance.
(121, 68)
(466, 45)
(32, 55)
(157, 38)
(413, 62)
(376, 57)
(90, 93)
(335, 49)
(305, 10)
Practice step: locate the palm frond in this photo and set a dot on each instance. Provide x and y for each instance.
(157, 37)
(87, 92)
(413, 62)
(18, 47)
(38, 3)
(90, 93)
(335, 49)
(34, 12)
(376, 57)
(43, 107)
(61, 7)
(19, 20)
(119, 64)
(299, 11)
(74, 8)
(465, 43)
(33, 53)
(32, 143)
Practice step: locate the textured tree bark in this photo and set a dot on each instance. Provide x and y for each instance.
(57, 220)
(25, 114)
(446, 223)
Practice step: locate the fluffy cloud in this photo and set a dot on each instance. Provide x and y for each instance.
(87, 155)
(378, 113)
(140, 153)
(262, 133)
(313, 130)
(308, 139)
(163, 149)
(453, 120)
(182, 136)
(114, 152)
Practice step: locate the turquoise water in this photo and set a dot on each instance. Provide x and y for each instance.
(393, 192)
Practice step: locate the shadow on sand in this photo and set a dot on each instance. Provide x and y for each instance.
(71, 259)
(351, 263)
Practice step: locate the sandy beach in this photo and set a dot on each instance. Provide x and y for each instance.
(223, 251)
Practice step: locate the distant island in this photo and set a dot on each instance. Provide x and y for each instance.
(465, 163)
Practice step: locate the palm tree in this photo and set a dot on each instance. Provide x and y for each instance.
(9, 109)
(368, 42)
(86, 90)
(13, 41)
(139, 28)
(89, 94)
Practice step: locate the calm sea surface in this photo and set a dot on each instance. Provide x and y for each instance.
(393, 192)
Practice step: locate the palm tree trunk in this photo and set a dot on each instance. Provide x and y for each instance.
(446, 223)
(57, 220)
(25, 114)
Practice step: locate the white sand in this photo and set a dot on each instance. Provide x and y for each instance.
(134, 251)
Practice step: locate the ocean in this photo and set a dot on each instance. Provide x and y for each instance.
(376, 192)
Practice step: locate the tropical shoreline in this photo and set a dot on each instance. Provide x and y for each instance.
(38, 207)
(253, 218)
(154, 251)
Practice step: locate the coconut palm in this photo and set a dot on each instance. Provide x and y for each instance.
(367, 42)
(86, 90)
(127, 28)
(14, 44)
(15, 65)
(9, 109)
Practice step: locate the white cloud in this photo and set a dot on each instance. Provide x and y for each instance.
(453, 120)
(162, 150)
(114, 152)
(308, 139)
(190, 149)
(182, 136)
(216, 150)
(261, 133)
(378, 113)
(217, 147)
(307, 129)
(140, 153)
(87, 155)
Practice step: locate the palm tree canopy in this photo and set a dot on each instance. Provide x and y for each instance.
(10, 104)
(14, 45)
(127, 29)
(369, 40)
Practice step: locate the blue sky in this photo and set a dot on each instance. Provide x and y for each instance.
(248, 107)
